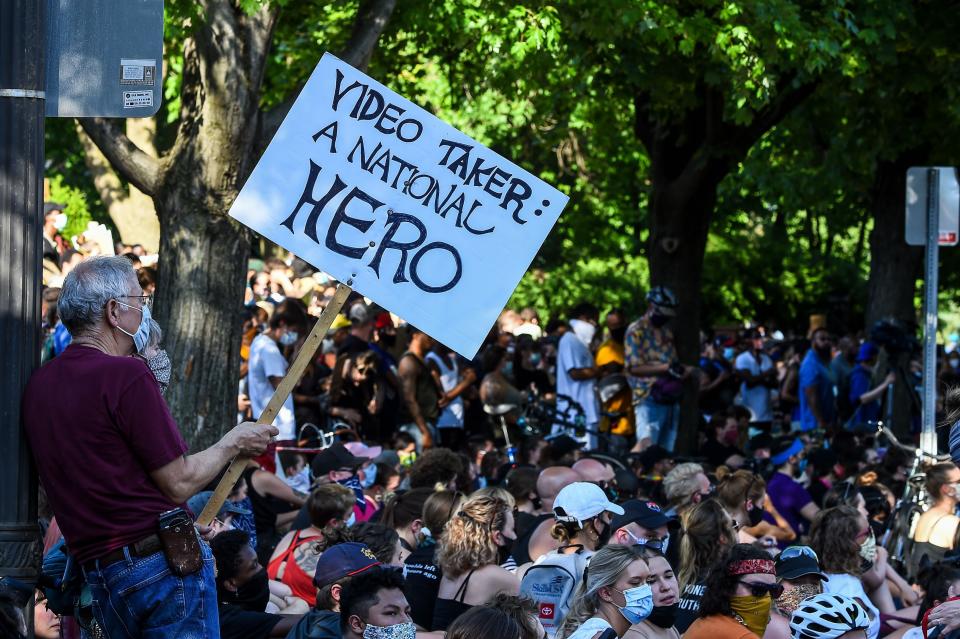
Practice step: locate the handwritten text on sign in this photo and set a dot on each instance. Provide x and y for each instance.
(417, 216)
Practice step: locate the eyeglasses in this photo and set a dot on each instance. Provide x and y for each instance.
(145, 300)
(792, 552)
(760, 589)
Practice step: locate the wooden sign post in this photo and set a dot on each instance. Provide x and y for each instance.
(294, 373)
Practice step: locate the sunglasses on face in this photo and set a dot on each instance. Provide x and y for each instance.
(760, 589)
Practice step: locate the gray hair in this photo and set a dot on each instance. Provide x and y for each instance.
(88, 288)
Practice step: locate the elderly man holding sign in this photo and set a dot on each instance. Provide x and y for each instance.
(115, 467)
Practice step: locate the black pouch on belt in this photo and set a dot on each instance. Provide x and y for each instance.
(181, 545)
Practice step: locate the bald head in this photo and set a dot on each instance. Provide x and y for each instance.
(594, 471)
(551, 481)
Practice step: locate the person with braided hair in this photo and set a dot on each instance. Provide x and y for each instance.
(470, 552)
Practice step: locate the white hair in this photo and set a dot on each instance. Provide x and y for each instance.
(88, 288)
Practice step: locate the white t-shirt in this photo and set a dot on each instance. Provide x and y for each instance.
(851, 586)
(452, 415)
(572, 353)
(756, 399)
(267, 361)
(589, 628)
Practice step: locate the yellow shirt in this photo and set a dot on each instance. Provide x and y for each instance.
(611, 352)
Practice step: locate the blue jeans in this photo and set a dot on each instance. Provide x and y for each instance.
(659, 422)
(140, 597)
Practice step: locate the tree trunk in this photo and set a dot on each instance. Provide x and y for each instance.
(131, 210)
(894, 265)
(680, 213)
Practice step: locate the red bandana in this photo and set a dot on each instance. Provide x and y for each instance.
(752, 567)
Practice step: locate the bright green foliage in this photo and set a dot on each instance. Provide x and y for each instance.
(76, 207)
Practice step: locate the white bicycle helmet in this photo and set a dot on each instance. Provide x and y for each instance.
(827, 616)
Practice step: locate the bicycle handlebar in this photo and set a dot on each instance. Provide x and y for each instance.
(910, 449)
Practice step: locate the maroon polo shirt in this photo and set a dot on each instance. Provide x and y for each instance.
(98, 426)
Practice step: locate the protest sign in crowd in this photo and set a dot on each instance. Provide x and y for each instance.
(534, 491)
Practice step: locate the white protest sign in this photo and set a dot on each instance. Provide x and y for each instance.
(391, 200)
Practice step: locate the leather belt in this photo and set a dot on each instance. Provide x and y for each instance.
(143, 548)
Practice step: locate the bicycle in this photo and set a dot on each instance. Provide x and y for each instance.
(898, 539)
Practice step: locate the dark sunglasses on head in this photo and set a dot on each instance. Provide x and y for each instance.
(760, 589)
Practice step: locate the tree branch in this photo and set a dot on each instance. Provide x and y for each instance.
(789, 97)
(372, 18)
(133, 165)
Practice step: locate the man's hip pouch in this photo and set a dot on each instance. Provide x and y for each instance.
(181, 545)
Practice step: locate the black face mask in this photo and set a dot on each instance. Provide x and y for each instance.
(618, 334)
(756, 516)
(664, 616)
(252, 596)
(659, 320)
(604, 537)
(388, 339)
(503, 552)
(536, 502)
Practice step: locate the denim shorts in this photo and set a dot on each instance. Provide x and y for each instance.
(140, 597)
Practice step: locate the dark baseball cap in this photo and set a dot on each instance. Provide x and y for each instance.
(644, 513)
(49, 207)
(563, 444)
(343, 560)
(336, 457)
(798, 561)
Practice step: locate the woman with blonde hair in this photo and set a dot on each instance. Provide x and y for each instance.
(613, 595)
(470, 551)
(708, 534)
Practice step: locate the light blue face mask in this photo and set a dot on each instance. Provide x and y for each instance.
(289, 338)
(639, 603)
(351, 520)
(142, 336)
(369, 476)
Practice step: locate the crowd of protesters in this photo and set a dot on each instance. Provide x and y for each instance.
(539, 490)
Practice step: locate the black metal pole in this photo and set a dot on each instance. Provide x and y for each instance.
(22, 74)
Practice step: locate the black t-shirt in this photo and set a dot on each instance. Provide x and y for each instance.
(689, 609)
(237, 623)
(422, 584)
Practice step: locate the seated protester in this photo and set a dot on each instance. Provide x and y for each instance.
(337, 465)
(837, 536)
(939, 582)
(583, 513)
(666, 599)
(721, 447)
(709, 534)
(791, 499)
(437, 469)
(482, 622)
(685, 486)
(521, 482)
(274, 506)
(539, 539)
(522, 610)
(382, 541)
(612, 596)
(293, 470)
(372, 605)
(337, 565)
(474, 544)
(421, 568)
(798, 570)
(936, 529)
(829, 616)
(822, 465)
(642, 523)
(742, 494)
(404, 513)
(46, 623)
(740, 589)
(224, 519)
(295, 559)
(243, 590)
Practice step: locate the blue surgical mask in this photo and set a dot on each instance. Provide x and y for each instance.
(728, 353)
(639, 603)
(351, 520)
(289, 338)
(142, 336)
(369, 476)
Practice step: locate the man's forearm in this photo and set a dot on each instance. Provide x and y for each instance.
(201, 468)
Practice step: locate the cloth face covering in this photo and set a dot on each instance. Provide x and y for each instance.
(160, 366)
(868, 549)
(755, 611)
(354, 484)
(398, 631)
(790, 599)
(584, 331)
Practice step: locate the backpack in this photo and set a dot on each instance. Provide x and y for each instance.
(551, 582)
(64, 586)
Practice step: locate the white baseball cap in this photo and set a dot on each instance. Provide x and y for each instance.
(581, 501)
